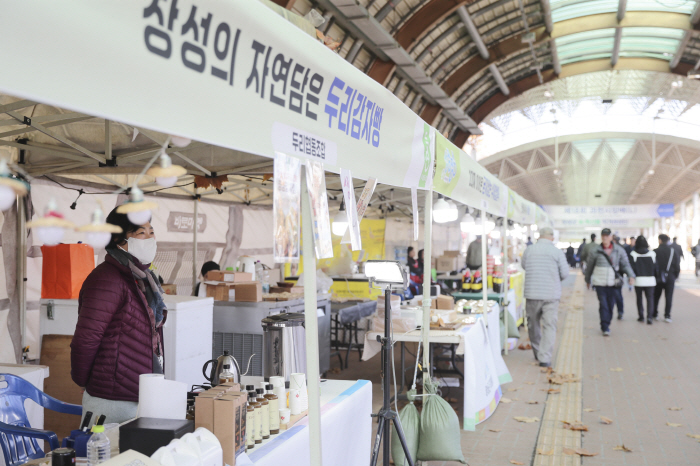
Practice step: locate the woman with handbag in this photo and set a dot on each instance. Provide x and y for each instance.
(645, 268)
(604, 266)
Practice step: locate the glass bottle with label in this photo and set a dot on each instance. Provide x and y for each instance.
(258, 417)
(250, 423)
(265, 413)
(274, 410)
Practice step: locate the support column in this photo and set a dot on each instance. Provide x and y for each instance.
(506, 279)
(194, 242)
(683, 230)
(484, 273)
(696, 219)
(427, 276)
(22, 272)
(311, 324)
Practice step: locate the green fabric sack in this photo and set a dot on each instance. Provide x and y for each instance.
(439, 430)
(410, 423)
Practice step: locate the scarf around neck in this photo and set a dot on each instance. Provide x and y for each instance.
(146, 281)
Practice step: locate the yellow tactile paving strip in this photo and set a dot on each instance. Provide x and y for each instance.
(565, 406)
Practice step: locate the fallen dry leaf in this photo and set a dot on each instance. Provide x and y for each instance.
(532, 402)
(596, 376)
(494, 430)
(506, 400)
(673, 424)
(512, 389)
(529, 383)
(569, 451)
(526, 419)
(643, 373)
(582, 452)
(674, 408)
(606, 420)
(577, 426)
(622, 448)
(616, 369)
(695, 436)
(589, 410)
(545, 453)
(516, 462)
(551, 391)
(561, 379)
(525, 346)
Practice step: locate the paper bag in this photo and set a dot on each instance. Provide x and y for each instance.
(65, 268)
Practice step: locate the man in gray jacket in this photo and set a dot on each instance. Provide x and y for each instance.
(604, 265)
(545, 267)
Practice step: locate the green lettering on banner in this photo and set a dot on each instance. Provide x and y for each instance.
(427, 160)
(447, 169)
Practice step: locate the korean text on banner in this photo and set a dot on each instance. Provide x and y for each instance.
(286, 208)
(463, 179)
(316, 183)
(607, 216)
(349, 196)
(238, 55)
(362, 204)
(520, 209)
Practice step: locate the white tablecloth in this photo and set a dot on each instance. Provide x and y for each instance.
(346, 431)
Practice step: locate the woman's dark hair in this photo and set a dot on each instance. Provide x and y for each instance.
(641, 243)
(420, 254)
(410, 248)
(209, 266)
(120, 220)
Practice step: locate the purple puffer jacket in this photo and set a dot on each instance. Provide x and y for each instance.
(113, 343)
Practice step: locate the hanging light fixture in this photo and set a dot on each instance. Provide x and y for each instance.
(137, 208)
(166, 173)
(50, 228)
(490, 225)
(98, 233)
(453, 209)
(467, 224)
(340, 220)
(443, 212)
(10, 187)
(179, 141)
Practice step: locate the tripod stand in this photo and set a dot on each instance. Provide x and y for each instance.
(386, 415)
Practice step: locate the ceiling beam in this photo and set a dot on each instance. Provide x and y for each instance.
(671, 184)
(547, 10)
(621, 10)
(556, 65)
(681, 49)
(616, 47)
(473, 31)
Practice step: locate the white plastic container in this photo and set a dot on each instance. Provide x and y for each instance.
(177, 453)
(98, 447)
(209, 447)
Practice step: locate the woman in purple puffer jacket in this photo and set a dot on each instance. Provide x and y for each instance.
(119, 333)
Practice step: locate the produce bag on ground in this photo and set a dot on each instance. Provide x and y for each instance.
(439, 429)
(410, 423)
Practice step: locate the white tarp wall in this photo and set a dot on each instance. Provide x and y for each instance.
(225, 232)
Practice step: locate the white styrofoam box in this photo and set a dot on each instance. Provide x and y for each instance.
(187, 337)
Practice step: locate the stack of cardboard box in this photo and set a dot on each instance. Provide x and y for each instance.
(222, 410)
(233, 286)
(450, 261)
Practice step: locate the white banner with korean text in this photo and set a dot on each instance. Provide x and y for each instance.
(608, 216)
(233, 74)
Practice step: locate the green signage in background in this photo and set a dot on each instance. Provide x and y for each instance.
(447, 168)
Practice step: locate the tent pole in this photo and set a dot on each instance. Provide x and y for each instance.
(21, 274)
(427, 276)
(506, 280)
(194, 242)
(484, 268)
(311, 324)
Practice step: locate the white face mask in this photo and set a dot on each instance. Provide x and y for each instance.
(142, 249)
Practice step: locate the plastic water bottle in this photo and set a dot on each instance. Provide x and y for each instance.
(98, 447)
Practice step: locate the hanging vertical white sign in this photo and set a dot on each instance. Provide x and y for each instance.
(316, 183)
(414, 201)
(362, 203)
(286, 208)
(349, 196)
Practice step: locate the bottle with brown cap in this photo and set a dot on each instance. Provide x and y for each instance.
(258, 414)
(265, 413)
(274, 410)
(250, 423)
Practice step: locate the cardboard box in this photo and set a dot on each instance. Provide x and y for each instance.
(286, 289)
(204, 410)
(170, 289)
(441, 302)
(229, 276)
(448, 263)
(250, 292)
(230, 386)
(229, 425)
(220, 291)
(275, 275)
(451, 253)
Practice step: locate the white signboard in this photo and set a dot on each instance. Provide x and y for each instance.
(521, 210)
(607, 216)
(230, 73)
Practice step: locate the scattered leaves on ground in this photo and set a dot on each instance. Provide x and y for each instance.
(494, 430)
(606, 420)
(577, 426)
(643, 373)
(506, 400)
(529, 383)
(616, 369)
(622, 448)
(516, 462)
(545, 453)
(674, 408)
(695, 436)
(525, 346)
(561, 379)
(589, 410)
(526, 419)
(578, 451)
(673, 424)
(532, 402)
(596, 376)
(551, 391)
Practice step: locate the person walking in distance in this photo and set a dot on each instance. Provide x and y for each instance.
(589, 247)
(545, 267)
(603, 267)
(669, 268)
(696, 253)
(643, 262)
(579, 253)
(619, 300)
(474, 254)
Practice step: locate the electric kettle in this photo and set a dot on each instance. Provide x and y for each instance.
(246, 264)
(218, 367)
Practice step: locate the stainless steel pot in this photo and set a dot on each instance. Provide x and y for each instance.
(284, 345)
